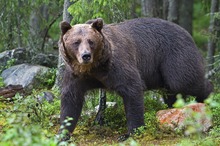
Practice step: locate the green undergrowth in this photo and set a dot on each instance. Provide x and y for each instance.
(26, 121)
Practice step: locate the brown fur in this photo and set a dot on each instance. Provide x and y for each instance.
(72, 61)
(129, 58)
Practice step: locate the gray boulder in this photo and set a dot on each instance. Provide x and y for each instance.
(22, 55)
(19, 55)
(29, 76)
(4, 57)
(49, 60)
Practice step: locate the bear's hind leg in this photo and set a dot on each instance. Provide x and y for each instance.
(201, 90)
(169, 99)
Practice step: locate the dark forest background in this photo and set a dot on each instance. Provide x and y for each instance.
(33, 26)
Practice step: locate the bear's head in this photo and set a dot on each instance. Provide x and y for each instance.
(81, 44)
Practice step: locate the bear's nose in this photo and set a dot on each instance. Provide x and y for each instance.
(86, 56)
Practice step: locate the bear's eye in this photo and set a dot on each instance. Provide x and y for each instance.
(76, 43)
(91, 43)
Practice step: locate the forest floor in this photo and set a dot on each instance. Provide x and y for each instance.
(104, 136)
(91, 139)
(24, 120)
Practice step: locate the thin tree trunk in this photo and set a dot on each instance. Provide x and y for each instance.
(214, 23)
(173, 11)
(148, 8)
(34, 29)
(165, 9)
(159, 8)
(10, 34)
(66, 17)
(186, 14)
(133, 7)
(152, 8)
(20, 4)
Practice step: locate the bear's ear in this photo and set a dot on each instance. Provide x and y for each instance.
(98, 24)
(65, 26)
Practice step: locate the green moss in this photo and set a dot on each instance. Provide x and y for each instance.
(214, 104)
(45, 127)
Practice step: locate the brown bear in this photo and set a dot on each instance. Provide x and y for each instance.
(129, 58)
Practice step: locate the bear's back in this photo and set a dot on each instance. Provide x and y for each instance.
(158, 48)
(151, 32)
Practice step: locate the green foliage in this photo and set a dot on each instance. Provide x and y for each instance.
(33, 111)
(15, 22)
(110, 11)
(25, 136)
(215, 73)
(50, 77)
(193, 124)
(2, 84)
(151, 123)
(193, 127)
(180, 102)
(199, 141)
(29, 122)
(152, 101)
(214, 103)
(9, 64)
(200, 25)
(115, 118)
(62, 135)
(46, 79)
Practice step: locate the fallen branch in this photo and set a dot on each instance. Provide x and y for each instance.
(10, 91)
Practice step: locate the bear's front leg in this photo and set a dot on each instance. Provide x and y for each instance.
(134, 107)
(71, 107)
(72, 98)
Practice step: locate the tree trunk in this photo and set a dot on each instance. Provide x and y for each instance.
(214, 24)
(34, 23)
(159, 8)
(19, 16)
(173, 11)
(186, 15)
(10, 33)
(152, 8)
(133, 9)
(165, 9)
(66, 17)
(34, 30)
(38, 20)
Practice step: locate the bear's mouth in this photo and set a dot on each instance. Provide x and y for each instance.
(86, 62)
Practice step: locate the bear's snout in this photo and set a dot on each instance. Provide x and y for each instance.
(86, 57)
